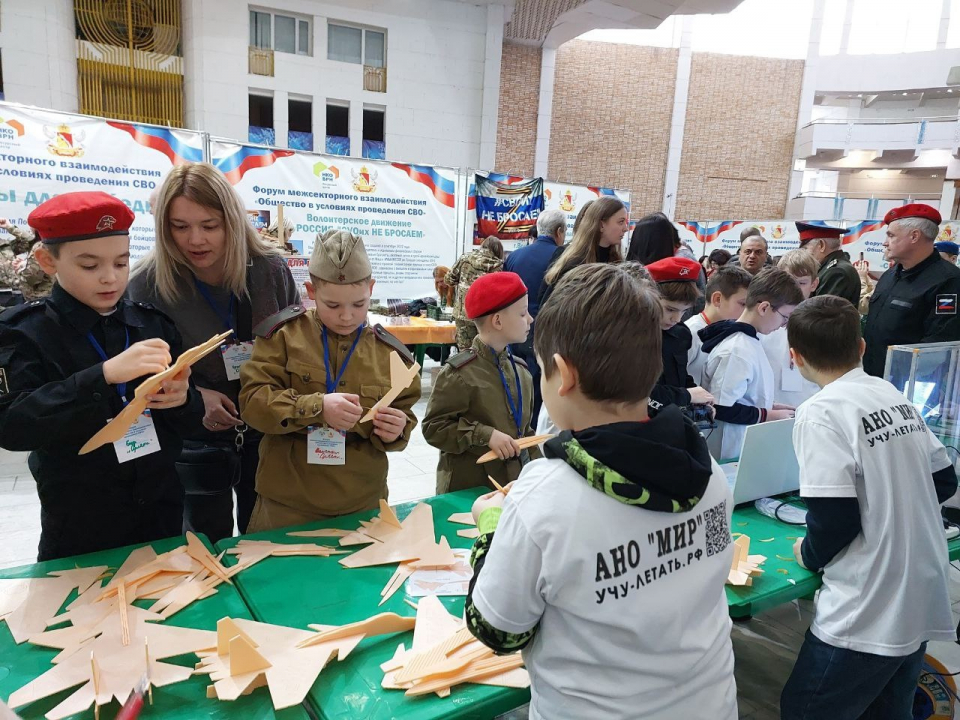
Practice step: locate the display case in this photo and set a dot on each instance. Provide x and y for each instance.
(928, 374)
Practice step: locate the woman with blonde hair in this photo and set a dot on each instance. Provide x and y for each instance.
(210, 271)
(596, 239)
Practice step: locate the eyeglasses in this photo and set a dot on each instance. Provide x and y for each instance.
(785, 317)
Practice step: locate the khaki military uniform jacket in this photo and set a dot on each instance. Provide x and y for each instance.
(468, 403)
(466, 270)
(281, 395)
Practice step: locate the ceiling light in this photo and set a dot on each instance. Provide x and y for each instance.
(934, 175)
(904, 94)
(949, 90)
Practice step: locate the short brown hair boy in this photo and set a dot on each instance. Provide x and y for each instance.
(685, 293)
(603, 322)
(799, 263)
(774, 286)
(825, 330)
(727, 280)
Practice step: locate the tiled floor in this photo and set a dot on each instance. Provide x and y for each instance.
(765, 646)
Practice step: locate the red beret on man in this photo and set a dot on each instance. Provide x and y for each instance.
(809, 231)
(492, 293)
(913, 210)
(674, 269)
(80, 216)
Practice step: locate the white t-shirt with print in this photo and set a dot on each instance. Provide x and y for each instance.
(696, 360)
(737, 371)
(630, 603)
(887, 591)
(789, 386)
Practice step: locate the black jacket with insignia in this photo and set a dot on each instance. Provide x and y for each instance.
(55, 398)
(912, 306)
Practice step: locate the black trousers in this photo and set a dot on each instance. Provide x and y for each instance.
(211, 472)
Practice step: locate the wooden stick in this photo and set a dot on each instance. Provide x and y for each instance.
(95, 673)
(146, 651)
(124, 620)
(497, 485)
(523, 443)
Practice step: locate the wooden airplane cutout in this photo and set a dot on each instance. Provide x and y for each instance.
(251, 654)
(28, 604)
(745, 566)
(444, 654)
(117, 428)
(525, 443)
(400, 378)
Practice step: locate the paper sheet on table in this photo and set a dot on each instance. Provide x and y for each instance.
(446, 581)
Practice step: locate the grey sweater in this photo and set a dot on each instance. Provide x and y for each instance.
(271, 288)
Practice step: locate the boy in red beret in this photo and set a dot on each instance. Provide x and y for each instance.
(69, 363)
(676, 277)
(483, 397)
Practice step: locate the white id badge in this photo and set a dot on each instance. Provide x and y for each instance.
(791, 380)
(141, 439)
(326, 446)
(235, 355)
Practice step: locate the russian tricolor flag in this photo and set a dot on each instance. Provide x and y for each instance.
(444, 189)
(162, 140)
(236, 164)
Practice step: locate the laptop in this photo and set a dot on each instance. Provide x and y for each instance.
(767, 466)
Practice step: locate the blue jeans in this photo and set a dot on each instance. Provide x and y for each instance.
(830, 682)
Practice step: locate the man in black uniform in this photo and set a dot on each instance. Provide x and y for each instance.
(915, 300)
(69, 362)
(837, 275)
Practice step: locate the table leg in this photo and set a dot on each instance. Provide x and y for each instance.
(420, 352)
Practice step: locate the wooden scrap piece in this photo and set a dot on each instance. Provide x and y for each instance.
(463, 518)
(382, 624)
(400, 378)
(469, 533)
(744, 566)
(117, 428)
(525, 444)
(321, 532)
(400, 575)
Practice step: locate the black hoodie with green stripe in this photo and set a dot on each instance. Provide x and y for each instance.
(662, 465)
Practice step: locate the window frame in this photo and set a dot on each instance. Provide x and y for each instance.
(298, 23)
(364, 29)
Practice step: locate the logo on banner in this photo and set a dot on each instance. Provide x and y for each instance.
(568, 201)
(946, 304)
(10, 129)
(326, 173)
(364, 181)
(777, 232)
(64, 142)
(947, 234)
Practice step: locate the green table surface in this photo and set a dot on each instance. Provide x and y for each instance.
(19, 664)
(773, 587)
(298, 591)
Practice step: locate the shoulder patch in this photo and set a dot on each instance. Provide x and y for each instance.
(11, 314)
(385, 337)
(268, 326)
(462, 359)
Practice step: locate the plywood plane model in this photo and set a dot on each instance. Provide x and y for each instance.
(525, 443)
(251, 654)
(445, 654)
(110, 645)
(117, 428)
(400, 378)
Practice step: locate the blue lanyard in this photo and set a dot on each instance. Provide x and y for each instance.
(516, 410)
(121, 387)
(227, 319)
(332, 384)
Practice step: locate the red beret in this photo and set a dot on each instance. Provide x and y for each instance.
(917, 210)
(80, 216)
(675, 269)
(492, 293)
(809, 231)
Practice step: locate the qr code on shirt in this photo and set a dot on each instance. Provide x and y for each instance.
(718, 531)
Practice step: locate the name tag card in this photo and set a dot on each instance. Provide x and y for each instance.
(141, 439)
(326, 446)
(235, 355)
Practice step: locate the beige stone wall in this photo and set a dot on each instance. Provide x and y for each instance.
(519, 102)
(738, 137)
(612, 106)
